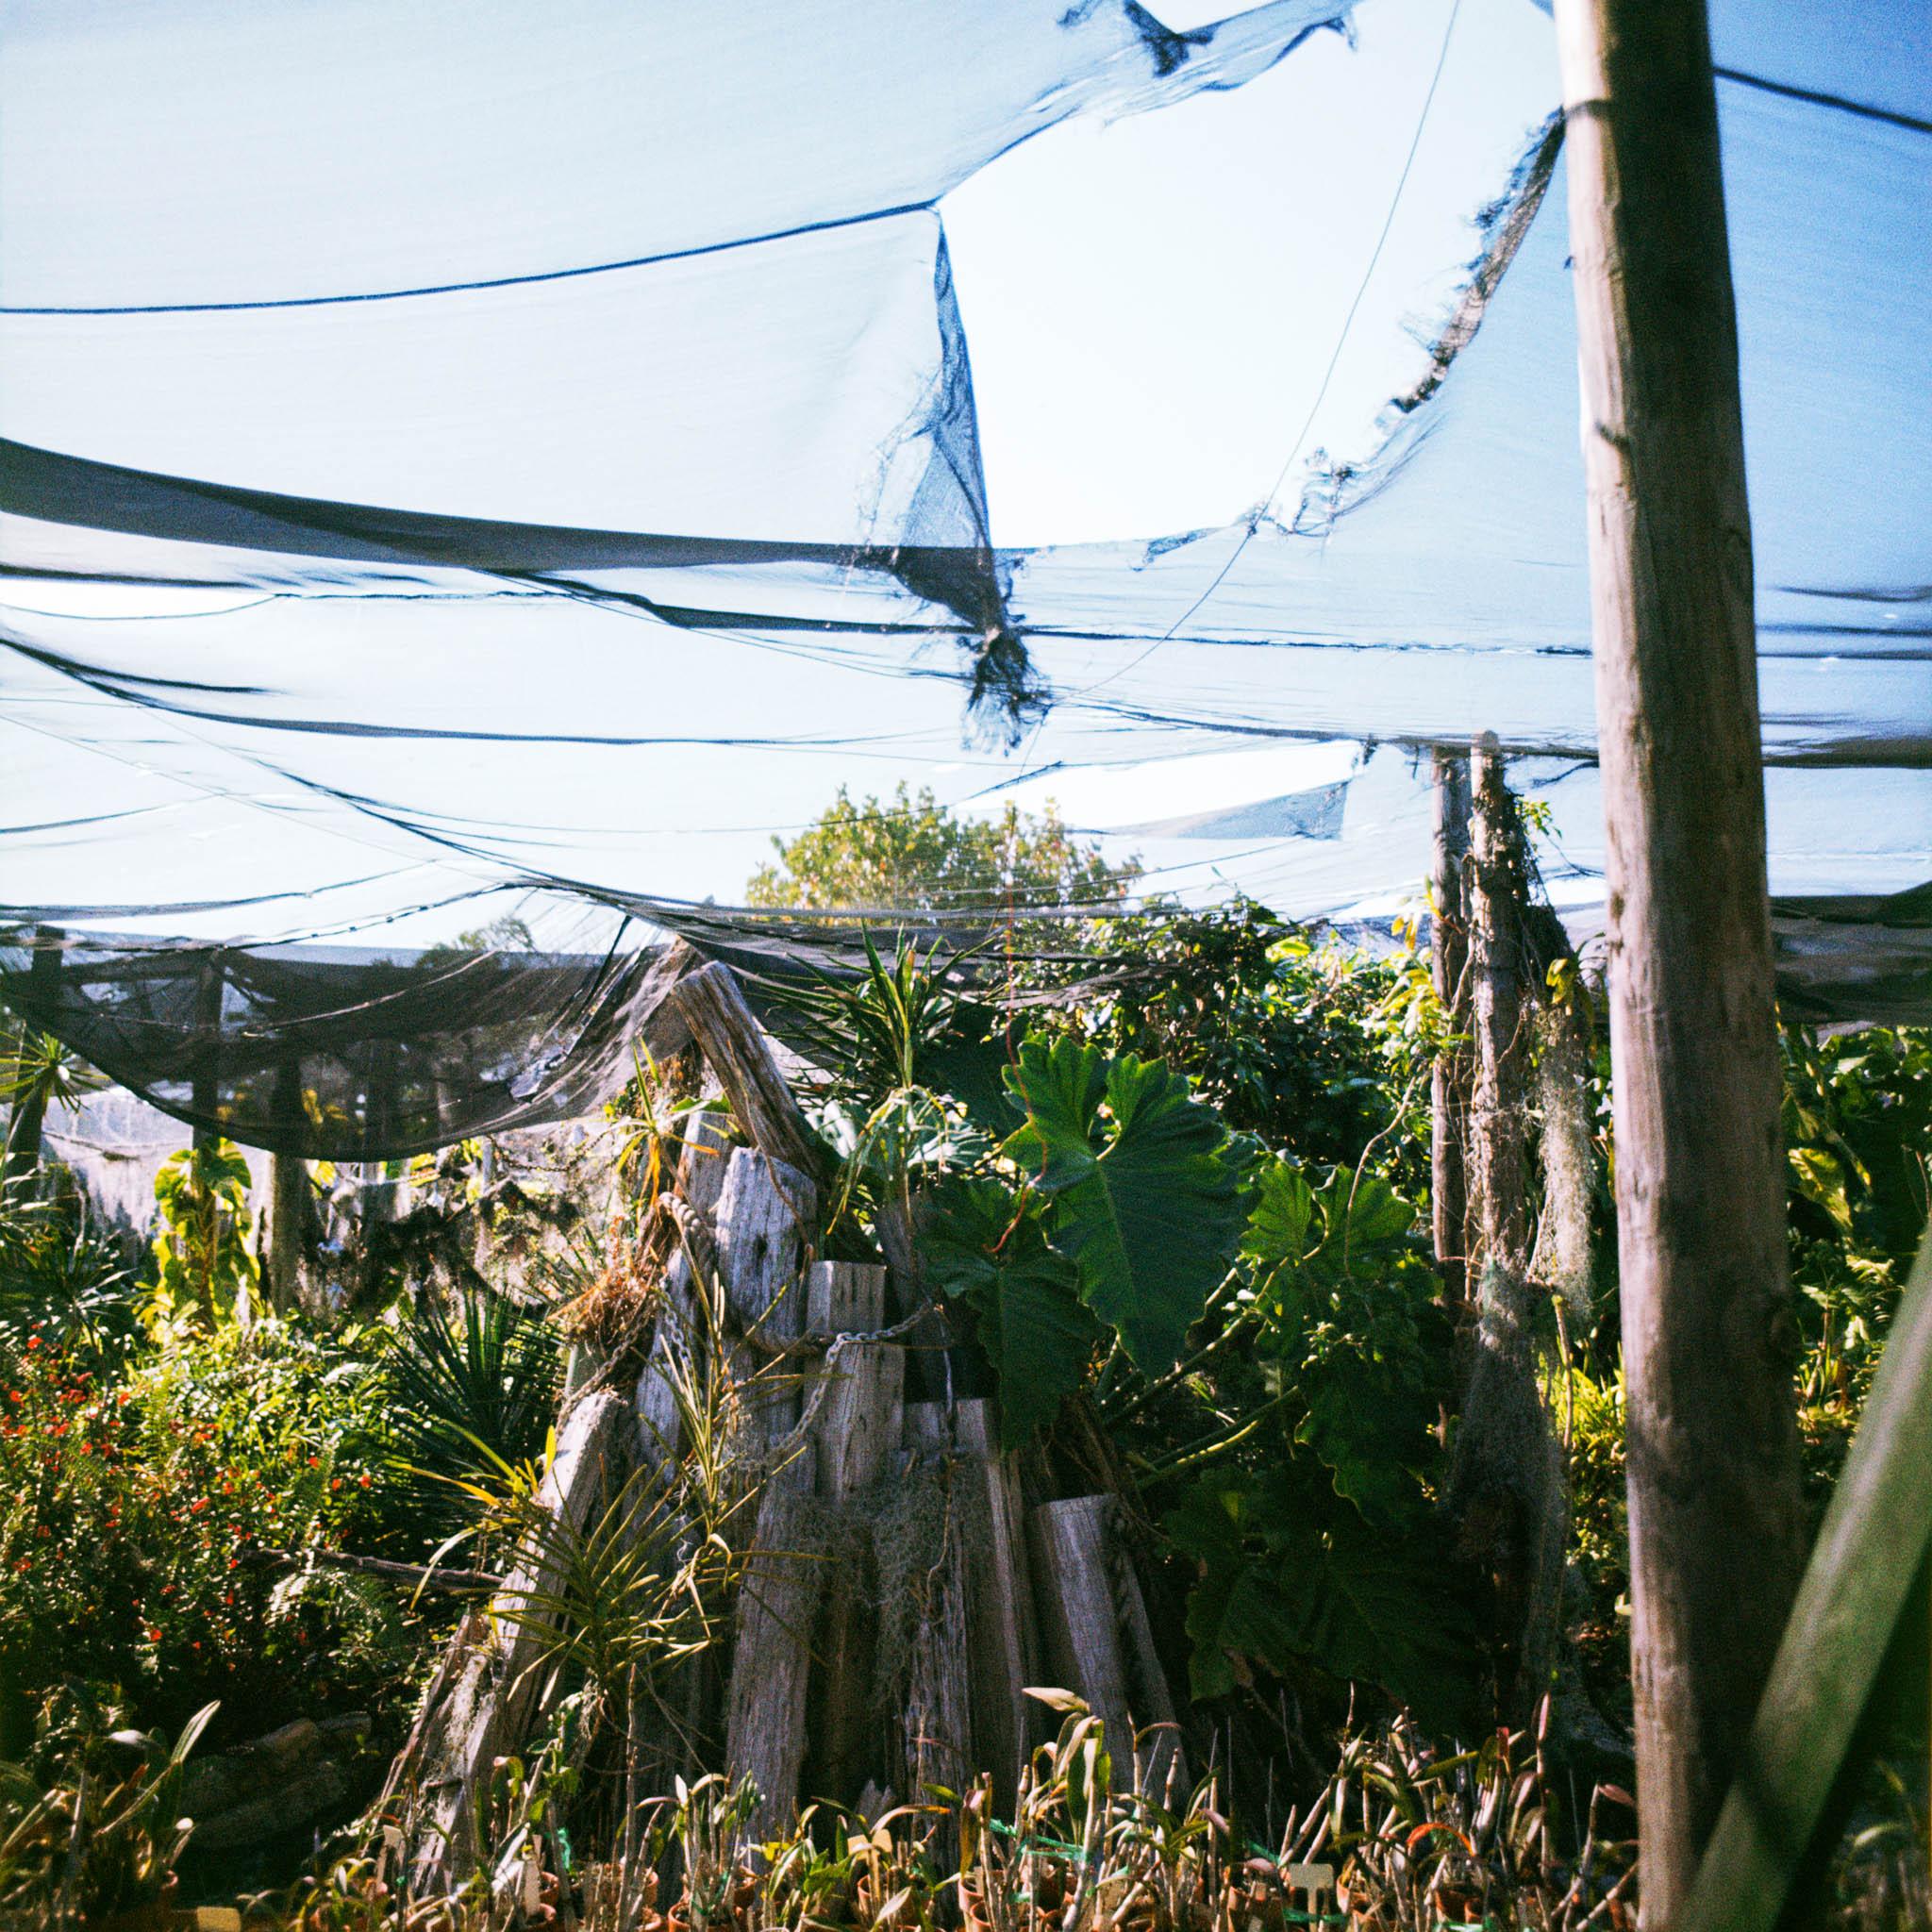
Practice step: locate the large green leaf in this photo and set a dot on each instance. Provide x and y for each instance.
(1280, 1585)
(1350, 1310)
(1144, 1191)
(983, 1249)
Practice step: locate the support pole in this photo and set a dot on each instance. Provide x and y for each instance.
(1716, 1530)
(290, 1204)
(205, 1094)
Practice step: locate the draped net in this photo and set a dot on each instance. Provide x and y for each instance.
(469, 477)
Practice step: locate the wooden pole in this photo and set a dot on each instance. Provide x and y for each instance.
(1448, 968)
(1716, 1533)
(1857, 1584)
(206, 1092)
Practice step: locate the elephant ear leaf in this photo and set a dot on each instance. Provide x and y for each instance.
(1142, 1191)
(982, 1249)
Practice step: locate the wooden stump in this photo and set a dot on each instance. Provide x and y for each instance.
(764, 1725)
(859, 1425)
(764, 1210)
(1098, 1641)
(1003, 1645)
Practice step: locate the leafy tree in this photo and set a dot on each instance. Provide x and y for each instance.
(911, 854)
(1289, 1039)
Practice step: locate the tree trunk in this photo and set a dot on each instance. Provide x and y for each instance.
(1449, 969)
(27, 1122)
(1716, 1524)
(1497, 1125)
(1507, 1492)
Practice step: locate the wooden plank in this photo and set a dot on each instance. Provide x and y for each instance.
(862, 1418)
(858, 1437)
(1716, 1521)
(730, 1037)
(1498, 1130)
(936, 1727)
(1858, 1582)
(1072, 1575)
(1002, 1639)
(765, 1706)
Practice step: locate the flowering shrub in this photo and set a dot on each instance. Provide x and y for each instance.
(137, 1492)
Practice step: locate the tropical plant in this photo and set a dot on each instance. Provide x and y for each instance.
(40, 1072)
(988, 1249)
(1140, 1182)
(100, 1843)
(472, 1388)
(202, 1257)
(62, 1272)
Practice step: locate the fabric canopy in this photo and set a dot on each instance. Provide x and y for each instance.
(453, 460)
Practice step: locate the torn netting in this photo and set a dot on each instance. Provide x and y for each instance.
(561, 485)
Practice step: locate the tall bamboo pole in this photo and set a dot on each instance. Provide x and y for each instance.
(1715, 1522)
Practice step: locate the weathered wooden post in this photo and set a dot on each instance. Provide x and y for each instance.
(291, 1205)
(1716, 1530)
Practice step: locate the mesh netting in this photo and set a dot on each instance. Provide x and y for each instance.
(451, 466)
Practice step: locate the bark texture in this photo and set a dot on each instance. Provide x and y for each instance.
(1715, 1518)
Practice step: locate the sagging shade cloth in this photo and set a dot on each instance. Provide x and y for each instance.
(451, 459)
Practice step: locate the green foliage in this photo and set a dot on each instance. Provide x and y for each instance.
(988, 1249)
(136, 1489)
(881, 1031)
(201, 1250)
(1284, 1581)
(60, 1270)
(1142, 1185)
(911, 853)
(1315, 1537)
(102, 1840)
(1352, 1317)
(39, 1071)
(1286, 1037)
(470, 1389)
